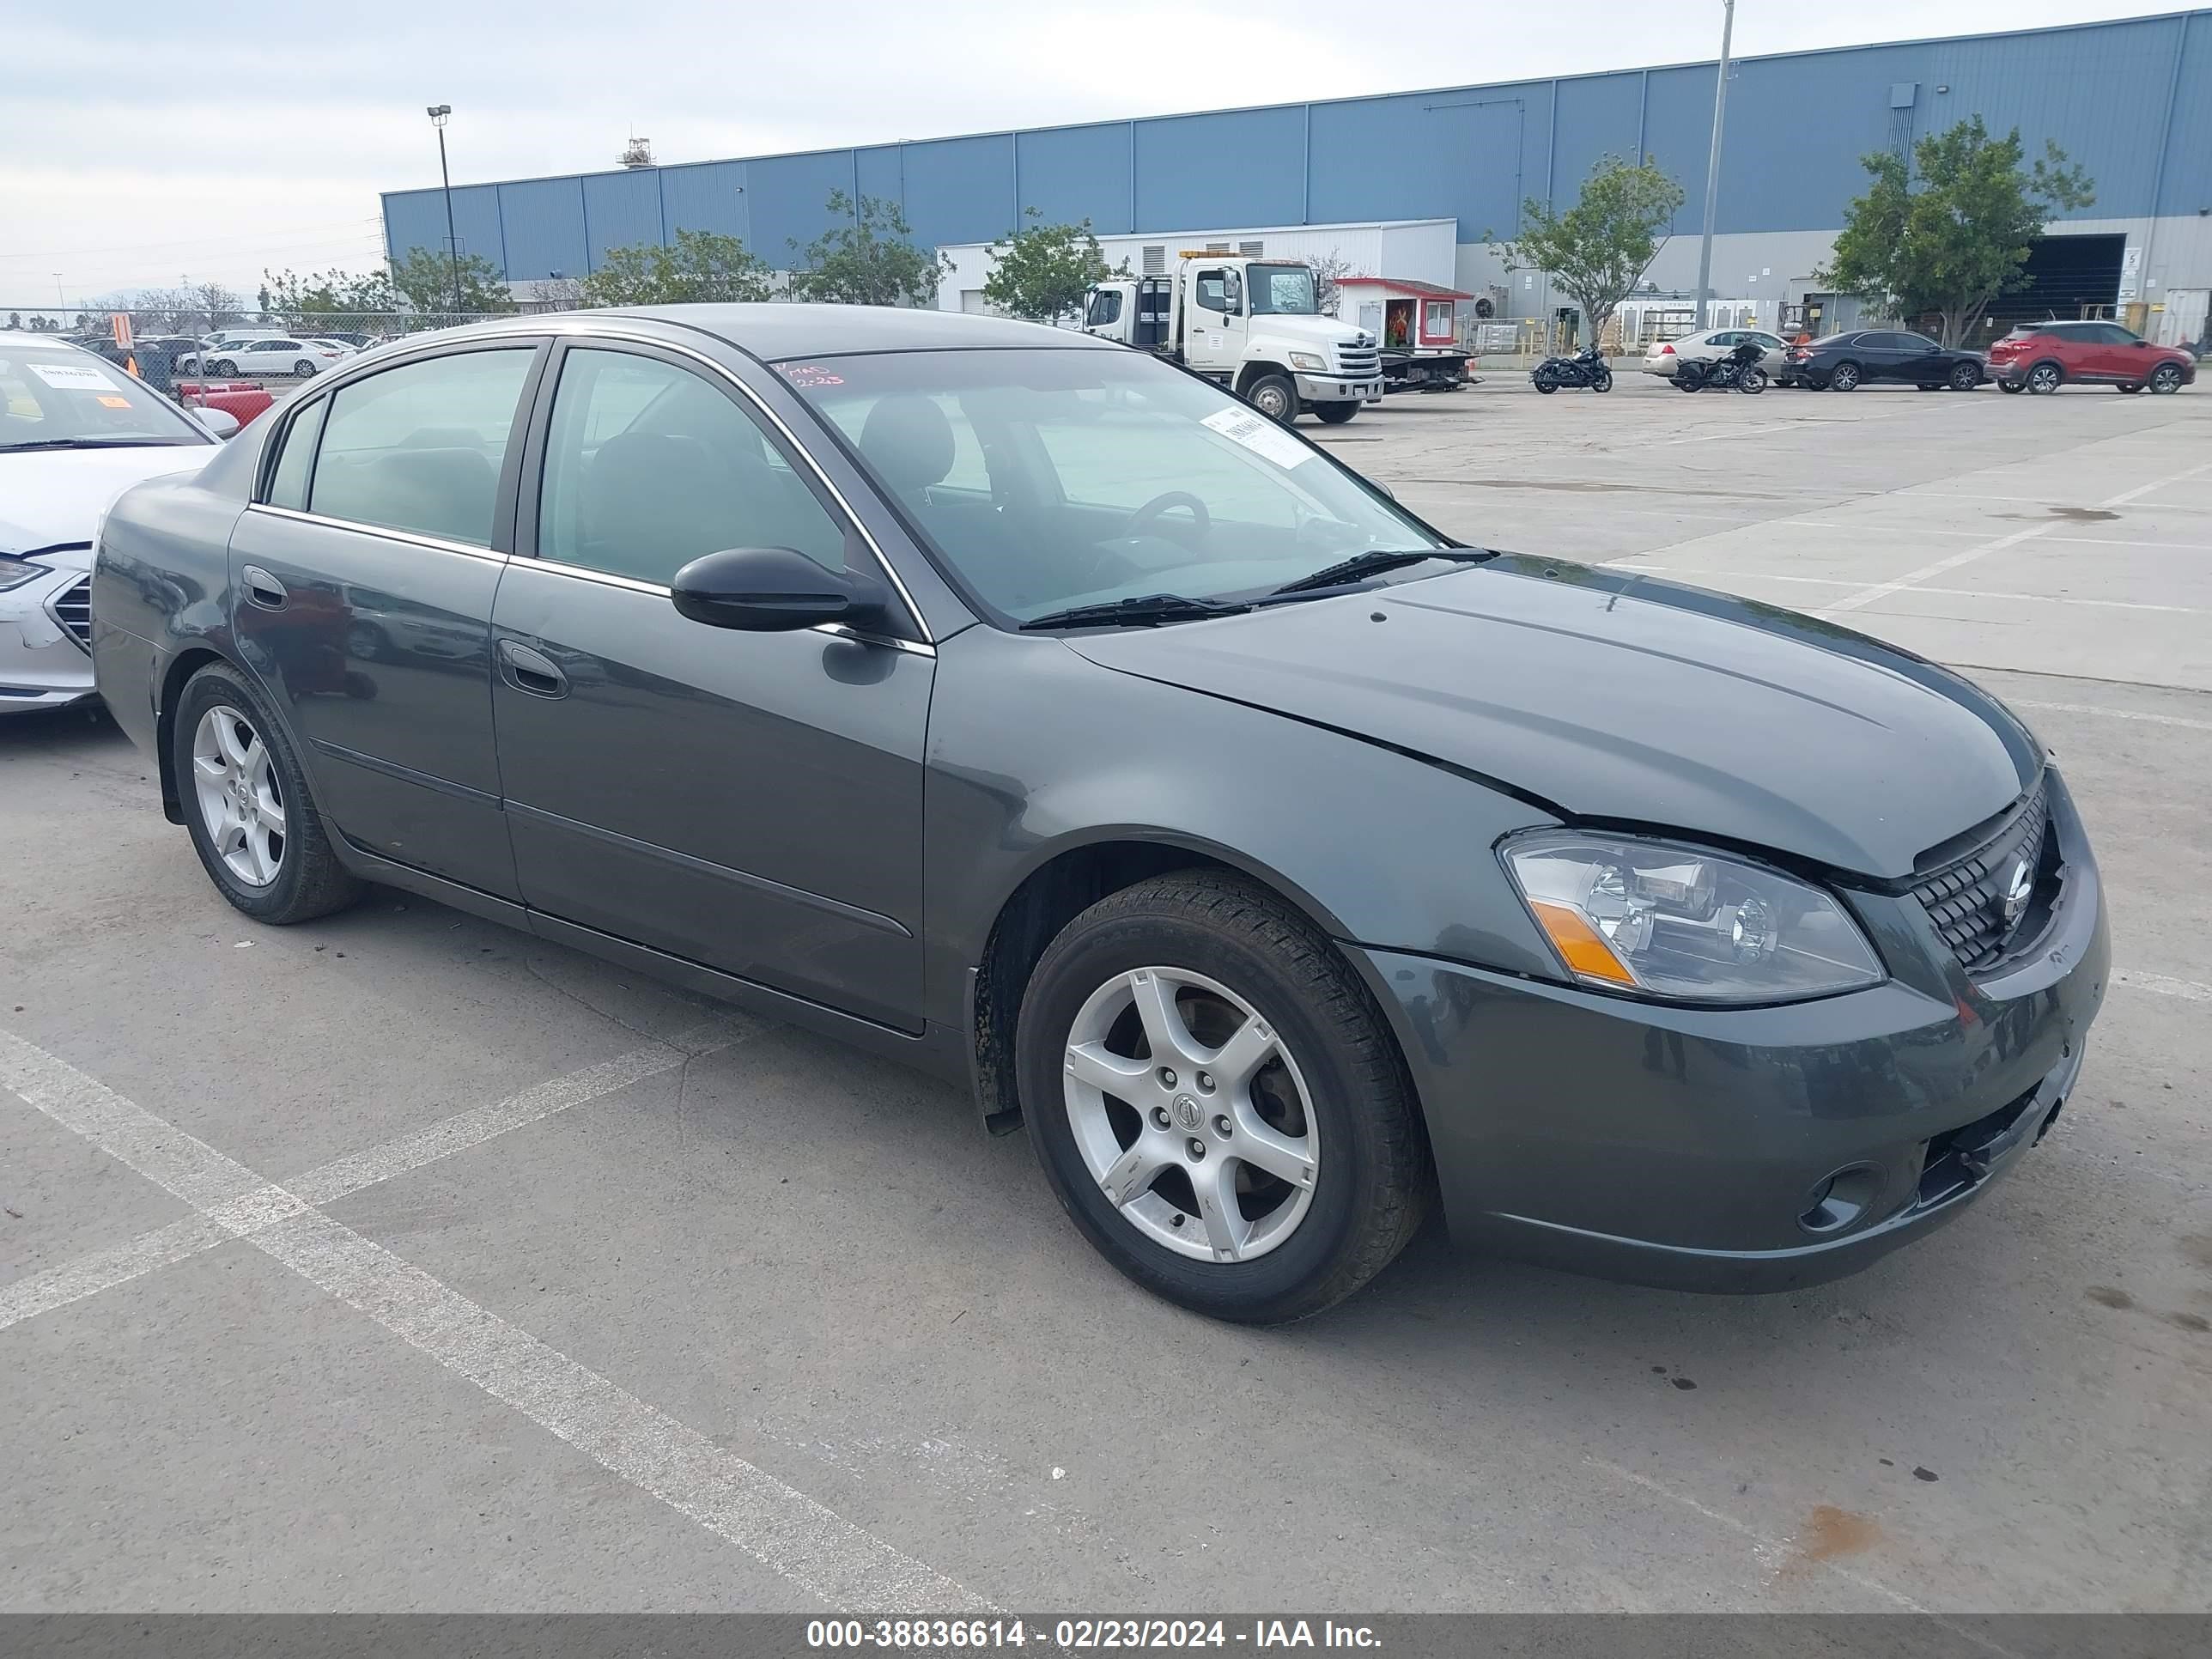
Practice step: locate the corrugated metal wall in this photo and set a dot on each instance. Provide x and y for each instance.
(2108, 93)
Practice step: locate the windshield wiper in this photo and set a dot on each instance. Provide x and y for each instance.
(1149, 610)
(96, 443)
(1374, 562)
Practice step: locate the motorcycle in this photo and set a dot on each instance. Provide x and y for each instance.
(1586, 367)
(1740, 369)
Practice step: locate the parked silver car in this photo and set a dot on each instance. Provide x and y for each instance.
(1664, 356)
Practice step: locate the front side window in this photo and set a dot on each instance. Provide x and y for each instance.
(420, 446)
(1105, 308)
(648, 466)
(1096, 476)
(1212, 290)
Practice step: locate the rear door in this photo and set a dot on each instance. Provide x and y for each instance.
(363, 579)
(749, 801)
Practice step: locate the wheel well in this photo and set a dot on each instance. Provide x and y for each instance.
(188, 663)
(2050, 364)
(1251, 372)
(1052, 896)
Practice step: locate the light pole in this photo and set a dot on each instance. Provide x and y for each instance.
(439, 113)
(1713, 166)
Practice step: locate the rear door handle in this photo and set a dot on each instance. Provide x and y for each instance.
(530, 670)
(262, 588)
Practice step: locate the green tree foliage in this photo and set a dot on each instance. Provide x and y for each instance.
(296, 298)
(868, 260)
(1599, 249)
(699, 266)
(425, 280)
(1042, 269)
(1952, 233)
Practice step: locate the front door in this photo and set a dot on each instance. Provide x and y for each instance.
(363, 582)
(1215, 341)
(751, 802)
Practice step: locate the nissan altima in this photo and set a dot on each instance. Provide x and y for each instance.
(1020, 706)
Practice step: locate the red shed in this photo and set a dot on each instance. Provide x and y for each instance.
(1399, 311)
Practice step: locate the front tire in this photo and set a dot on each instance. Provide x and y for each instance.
(2165, 380)
(1216, 1101)
(1336, 414)
(224, 367)
(2014, 386)
(1753, 381)
(1274, 396)
(1964, 377)
(246, 805)
(1602, 380)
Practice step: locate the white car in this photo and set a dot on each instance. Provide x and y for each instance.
(276, 357)
(1661, 357)
(75, 432)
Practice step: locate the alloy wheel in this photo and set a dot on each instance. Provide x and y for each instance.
(2166, 378)
(1189, 1111)
(240, 800)
(2043, 378)
(1844, 379)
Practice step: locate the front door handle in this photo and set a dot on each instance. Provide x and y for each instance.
(262, 588)
(530, 670)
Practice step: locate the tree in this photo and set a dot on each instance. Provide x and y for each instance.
(1329, 270)
(1957, 236)
(1599, 249)
(1041, 270)
(300, 298)
(699, 266)
(427, 280)
(869, 260)
(218, 306)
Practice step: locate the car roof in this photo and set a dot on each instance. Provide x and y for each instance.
(774, 332)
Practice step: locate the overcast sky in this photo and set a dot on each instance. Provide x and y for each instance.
(150, 144)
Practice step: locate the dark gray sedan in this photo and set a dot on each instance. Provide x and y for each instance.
(1012, 704)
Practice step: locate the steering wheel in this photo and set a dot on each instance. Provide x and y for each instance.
(1141, 519)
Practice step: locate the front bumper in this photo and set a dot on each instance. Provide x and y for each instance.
(1690, 1147)
(44, 662)
(1336, 389)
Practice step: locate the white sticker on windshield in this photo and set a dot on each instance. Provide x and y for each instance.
(72, 377)
(1261, 435)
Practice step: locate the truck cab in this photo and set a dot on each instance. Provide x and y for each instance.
(1256, 326)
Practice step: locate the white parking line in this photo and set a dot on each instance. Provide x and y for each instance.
(72, 1281)
(2182, 720)
(1867, 596)
(2160, 984)
(776, 1524)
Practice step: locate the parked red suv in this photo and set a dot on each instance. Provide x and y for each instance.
(2044, 357)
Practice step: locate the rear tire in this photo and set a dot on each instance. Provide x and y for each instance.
(271, 858)
(1274, 396)
(1844, 377)
(302, 369)
(1329, 1100)
(1336, 414)
(2044, 379)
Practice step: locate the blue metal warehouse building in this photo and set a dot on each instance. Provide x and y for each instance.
(2131, 101)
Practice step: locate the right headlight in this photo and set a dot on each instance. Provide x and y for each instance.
(1307, 360)
(14, 572)
(1684, 924)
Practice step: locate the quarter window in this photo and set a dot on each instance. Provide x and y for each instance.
(295, 462)
(419, 447)
(648, 466)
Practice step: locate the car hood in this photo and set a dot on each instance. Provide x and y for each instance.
(1321, 330)
(1608, 695)
(53, 497)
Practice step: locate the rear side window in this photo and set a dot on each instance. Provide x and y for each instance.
(295, 461)
(419, 447)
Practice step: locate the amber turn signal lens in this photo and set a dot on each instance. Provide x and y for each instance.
(1580, 945)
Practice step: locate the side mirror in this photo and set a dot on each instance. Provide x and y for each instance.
(772, 589)
(220, 422)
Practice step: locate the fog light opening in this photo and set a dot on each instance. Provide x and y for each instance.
(1839, 1201)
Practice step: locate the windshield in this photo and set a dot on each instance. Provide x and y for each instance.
(1047, 479)
(51, 395)
(1282, 291)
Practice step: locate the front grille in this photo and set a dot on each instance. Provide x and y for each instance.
(1359, 360)
(72, 609)
(1965, 900)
